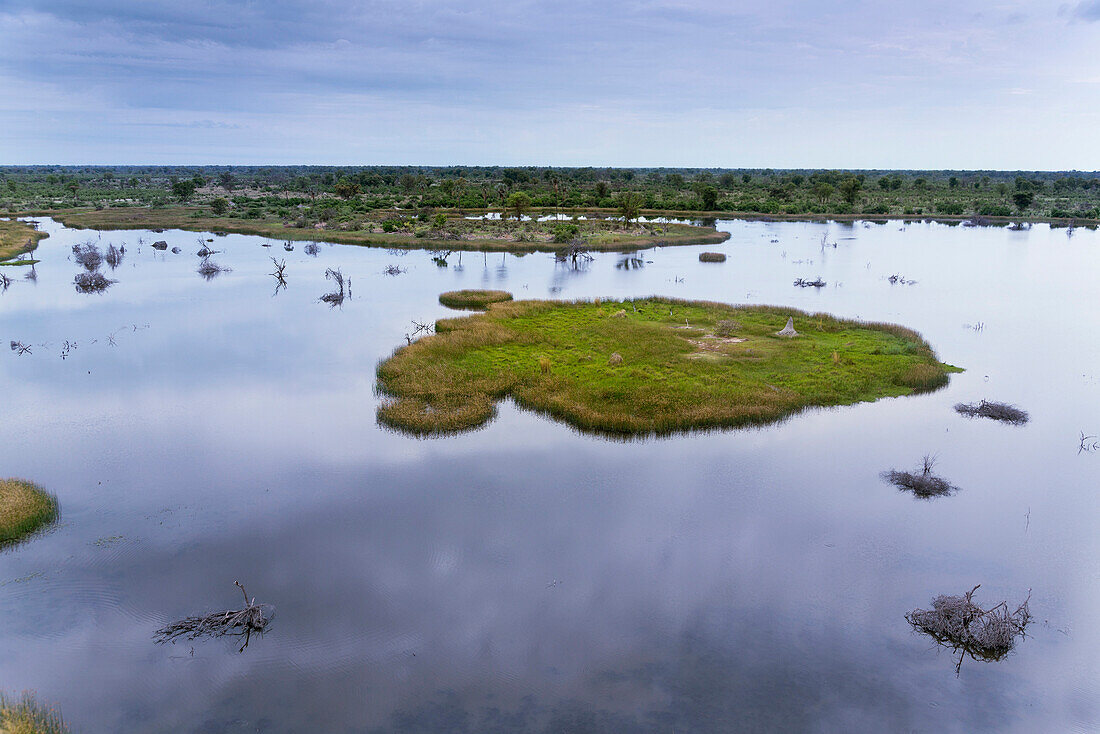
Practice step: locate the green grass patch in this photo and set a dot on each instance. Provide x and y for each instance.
(24, 508)
(26, 715)
(712, 257)
(650, 366)
(473, 299)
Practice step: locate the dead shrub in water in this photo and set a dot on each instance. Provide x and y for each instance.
(712, 257)
(924, 484)
(209, 269)
(114, 255)
(92, 282)
(958, 623)
(343, 288)
(87, 255)
(231, 623)
(997, 411)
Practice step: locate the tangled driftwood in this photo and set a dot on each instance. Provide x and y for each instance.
(233, 622)
(997, 411)
(968, 629)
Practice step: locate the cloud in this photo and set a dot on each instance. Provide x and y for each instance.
(504, 67)
(1088, 10)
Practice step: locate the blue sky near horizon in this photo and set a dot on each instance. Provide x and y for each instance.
(782, 83)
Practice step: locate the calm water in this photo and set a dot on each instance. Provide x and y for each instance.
(526, 577)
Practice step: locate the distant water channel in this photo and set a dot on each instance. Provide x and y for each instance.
(527, 577)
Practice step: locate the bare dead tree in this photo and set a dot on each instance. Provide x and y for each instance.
(576, 254)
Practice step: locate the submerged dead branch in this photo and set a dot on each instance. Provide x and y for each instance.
(924, 484)
(230, 623)
(280, 274)
(803, 283)
(957, 622)
(419, 328)
(997, 411)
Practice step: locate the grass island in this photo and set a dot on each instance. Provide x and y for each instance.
(647, 366)
(24, 508)
(406, 230)
(474, 300)
(16, 238)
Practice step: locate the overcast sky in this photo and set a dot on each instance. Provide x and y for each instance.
(759, 83)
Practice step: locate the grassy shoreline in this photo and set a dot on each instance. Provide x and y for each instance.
(645, 367)
(596, 235)
(17, 238)
(25, 508)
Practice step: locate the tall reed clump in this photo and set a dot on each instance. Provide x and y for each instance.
(682, 365)
(26, 715)
(24, 508)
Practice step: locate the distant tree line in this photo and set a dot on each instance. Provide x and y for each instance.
(341, 191)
